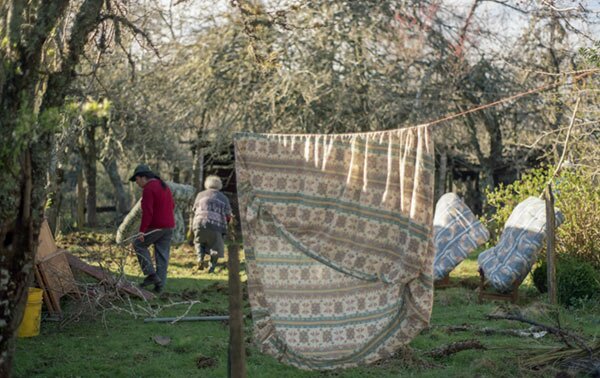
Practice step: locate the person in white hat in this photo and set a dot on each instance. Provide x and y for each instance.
(212, 212)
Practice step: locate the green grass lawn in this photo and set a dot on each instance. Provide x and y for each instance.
(110, 339)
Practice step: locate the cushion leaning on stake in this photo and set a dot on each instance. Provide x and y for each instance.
(506, 265)
(457, 232)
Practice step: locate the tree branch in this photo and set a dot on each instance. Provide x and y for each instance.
(47, 16)
(85, 22)
(124, 21)
(455, 347)
(553, 330)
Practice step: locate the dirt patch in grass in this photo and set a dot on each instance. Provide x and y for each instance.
(217, 287)
(203, 362)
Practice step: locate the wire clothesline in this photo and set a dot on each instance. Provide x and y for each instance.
(581, 75)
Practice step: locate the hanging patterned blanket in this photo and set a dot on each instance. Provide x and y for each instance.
(337, 238)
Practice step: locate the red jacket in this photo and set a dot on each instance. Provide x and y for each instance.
(157, 207)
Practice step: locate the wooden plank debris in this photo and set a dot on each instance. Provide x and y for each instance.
(106, 277)
(53, 272)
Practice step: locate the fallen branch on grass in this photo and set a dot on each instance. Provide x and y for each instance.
(581, 358)
(534, 332)
(564, 335)
(570, 358)
(186, 319)
(455, 347)
(406, 357)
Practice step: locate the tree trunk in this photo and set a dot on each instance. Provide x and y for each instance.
(80, 218)
(485, 182)
(496, 159)
(90, 171)
(55, 198)
(122, 200)
(18, 243)
(440, 187)
(197, 178)
(176, 175)
(26, 139)
(197, 168)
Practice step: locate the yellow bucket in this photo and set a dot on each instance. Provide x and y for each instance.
(30, 325)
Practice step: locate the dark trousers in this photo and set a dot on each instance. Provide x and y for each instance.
(209, 241)
(162, 243)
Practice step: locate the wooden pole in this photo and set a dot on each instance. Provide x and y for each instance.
(80, 200)
(237, 350)
(550, 244)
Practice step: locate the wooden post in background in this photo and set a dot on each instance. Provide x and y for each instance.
(550, 244)
(237, 348)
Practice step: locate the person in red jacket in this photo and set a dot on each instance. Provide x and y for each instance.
(156, 228)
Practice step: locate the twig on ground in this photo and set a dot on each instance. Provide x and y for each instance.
(534, 332)
(564, 335)
(455, 347)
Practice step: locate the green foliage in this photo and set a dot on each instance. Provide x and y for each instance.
(505, 198)
(577, 281)
(98, 109)
(592, 54)
(577, 196)
(27, 129)
(539, 276)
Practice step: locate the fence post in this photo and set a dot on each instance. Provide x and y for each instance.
(237, 349)
(550, 244)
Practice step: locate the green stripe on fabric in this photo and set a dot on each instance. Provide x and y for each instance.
(317, 322)
(291, 262)
(380, 215)
(367, 247)
(249, 253)
(321, 291)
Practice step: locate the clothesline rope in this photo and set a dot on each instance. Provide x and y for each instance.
(582, 74)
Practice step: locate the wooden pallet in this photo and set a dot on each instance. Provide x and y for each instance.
(52, 271)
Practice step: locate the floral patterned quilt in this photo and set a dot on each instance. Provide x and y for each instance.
(338, 242)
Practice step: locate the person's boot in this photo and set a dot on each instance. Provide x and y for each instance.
(151, 279)
(214, 257)
(201, 263)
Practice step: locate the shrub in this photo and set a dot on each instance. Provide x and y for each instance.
(575, 280)
(576, 195)
(539, 276)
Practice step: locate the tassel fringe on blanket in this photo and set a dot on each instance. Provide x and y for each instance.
(338, 241)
